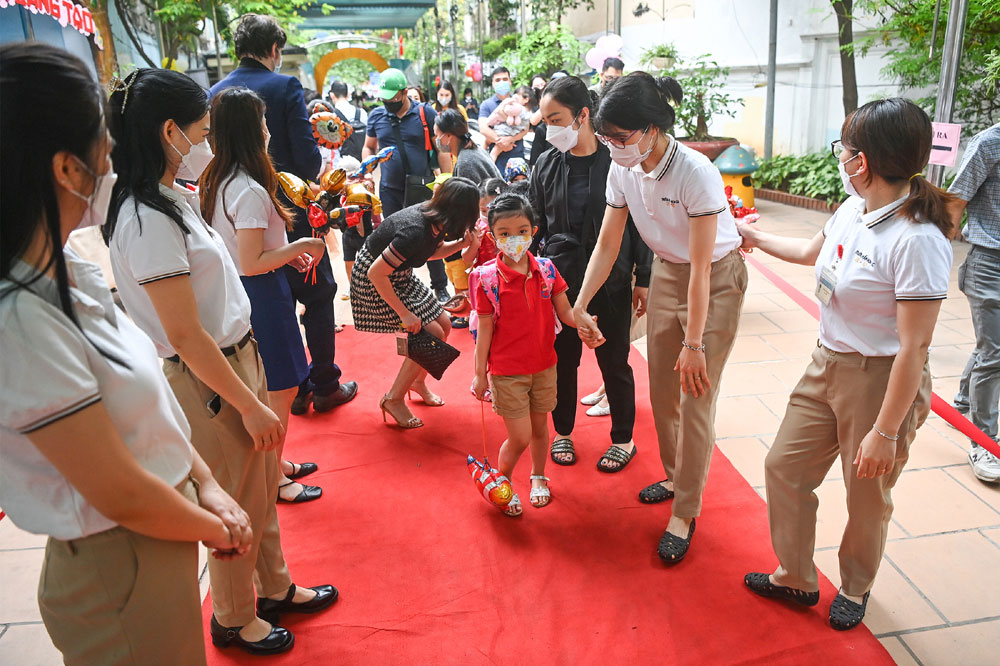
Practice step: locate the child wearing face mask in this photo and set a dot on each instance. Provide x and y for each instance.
(517, 298)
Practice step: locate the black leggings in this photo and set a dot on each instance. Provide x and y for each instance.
(614, 318)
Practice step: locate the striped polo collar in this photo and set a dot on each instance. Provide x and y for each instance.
(884, 213)
(663, 165)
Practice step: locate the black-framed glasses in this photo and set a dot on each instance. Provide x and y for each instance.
(837, 147)
(616, 143)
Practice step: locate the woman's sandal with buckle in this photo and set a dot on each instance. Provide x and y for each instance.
(761, 584)
(563, 446)
(301, 469)
(673, 548)
(307, 494)
(655, 493)
(513, 508)
(619, 456)
(543, 493)
(271, 609)
(846, 614)
(279, 640)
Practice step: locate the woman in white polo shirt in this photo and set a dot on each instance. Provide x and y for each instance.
(94, 450)
(678, 204)
(883, 263)
(179, 284)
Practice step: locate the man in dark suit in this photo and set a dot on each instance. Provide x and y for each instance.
(259, 40)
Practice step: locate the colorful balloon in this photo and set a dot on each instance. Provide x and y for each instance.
(494, 486)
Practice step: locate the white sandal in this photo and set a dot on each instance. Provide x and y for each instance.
(513, 508)
(540, 492)
(593, 398)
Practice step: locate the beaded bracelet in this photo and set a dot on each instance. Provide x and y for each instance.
(891, 439)
(684, 343)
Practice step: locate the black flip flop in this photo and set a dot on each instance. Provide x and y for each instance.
(563, 445)
(617, 455)
(655, 493)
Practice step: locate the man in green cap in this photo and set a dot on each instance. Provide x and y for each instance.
(410, 127)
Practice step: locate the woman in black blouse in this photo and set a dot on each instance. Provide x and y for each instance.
(385, 295)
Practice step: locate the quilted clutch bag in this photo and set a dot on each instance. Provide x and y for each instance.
(430, 353)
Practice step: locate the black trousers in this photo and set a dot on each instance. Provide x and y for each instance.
(614, 318)
(318, 319)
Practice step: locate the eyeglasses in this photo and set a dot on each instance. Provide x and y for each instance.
(837, 147)
(616, 143)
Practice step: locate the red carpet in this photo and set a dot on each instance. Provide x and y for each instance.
(430, 574)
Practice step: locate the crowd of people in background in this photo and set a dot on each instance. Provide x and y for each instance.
(570, 215)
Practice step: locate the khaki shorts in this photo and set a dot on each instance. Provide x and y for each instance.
(456, 273)
(514, 396)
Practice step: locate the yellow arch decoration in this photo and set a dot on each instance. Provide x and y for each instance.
(333, 57)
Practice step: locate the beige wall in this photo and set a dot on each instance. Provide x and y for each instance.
(590, 22)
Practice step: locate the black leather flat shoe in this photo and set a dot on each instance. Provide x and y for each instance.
(278, 641)
(308, 494)
(304, 469)
(302, 403)
(344, 394)
(672, 548)
(761, 584)
(326, 596)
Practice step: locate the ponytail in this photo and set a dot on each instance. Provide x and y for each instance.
(927, 203)
(637, 101)
(572, 92)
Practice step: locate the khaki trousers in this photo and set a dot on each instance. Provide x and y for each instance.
(118, 597)
(685, 426)
(829, 412)
(248, 475)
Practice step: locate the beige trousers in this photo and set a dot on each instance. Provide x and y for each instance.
(248, 475)
(685, 426)
(829, 412)
(119, 597)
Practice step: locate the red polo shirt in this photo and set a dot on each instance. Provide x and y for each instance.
(524, 334)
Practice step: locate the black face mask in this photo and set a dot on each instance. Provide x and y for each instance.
(393, 107)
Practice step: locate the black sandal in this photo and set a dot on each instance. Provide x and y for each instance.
(301, 469)
(672, 548)
(616, 454)
(761, 584)
(655, 493)
(562, 446)
(845, 614)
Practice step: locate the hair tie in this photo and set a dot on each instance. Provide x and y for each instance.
(914, 176)
(123, 85)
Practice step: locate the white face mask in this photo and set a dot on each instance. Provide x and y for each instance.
(99, 200)
(562, 138)
(194, 163)
(444, 100)
(630, 155)
(514, 246)
(845, 178)
(277, 65)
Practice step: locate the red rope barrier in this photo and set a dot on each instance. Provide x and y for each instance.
(939, 406)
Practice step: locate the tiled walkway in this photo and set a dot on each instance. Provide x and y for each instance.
(937, 597)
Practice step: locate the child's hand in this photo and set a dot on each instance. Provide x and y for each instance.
(479, 386)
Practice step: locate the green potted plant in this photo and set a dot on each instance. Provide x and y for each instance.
(703, 81)
(661, 56)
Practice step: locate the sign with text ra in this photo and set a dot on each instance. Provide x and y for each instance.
(66, 12)
(944, 146)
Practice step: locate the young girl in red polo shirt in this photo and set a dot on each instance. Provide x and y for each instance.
(517, 298)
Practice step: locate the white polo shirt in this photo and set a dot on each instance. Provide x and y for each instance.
(50, 369)
(148, 246)
(683, 185)
(886, 258)
(248, 205)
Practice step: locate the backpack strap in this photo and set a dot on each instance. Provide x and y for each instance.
(486, 275)
(428, 146)
(549, 277)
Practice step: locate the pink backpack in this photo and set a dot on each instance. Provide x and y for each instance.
(486, 274)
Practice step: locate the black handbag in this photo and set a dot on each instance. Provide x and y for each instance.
(430, 353)
(415, 188)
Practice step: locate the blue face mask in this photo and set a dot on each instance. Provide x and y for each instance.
(502, 88)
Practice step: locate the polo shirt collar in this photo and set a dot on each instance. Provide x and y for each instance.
(45, 287)
(663, 165)
(884, 213)
(508, 273)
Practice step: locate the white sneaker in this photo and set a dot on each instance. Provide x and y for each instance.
(599, 410)
(985, 465)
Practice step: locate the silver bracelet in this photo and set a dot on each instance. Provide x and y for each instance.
(891, 439)
(684, 343)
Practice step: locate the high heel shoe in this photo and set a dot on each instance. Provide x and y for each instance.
(428, 398)
(279, 640)
(411, 422)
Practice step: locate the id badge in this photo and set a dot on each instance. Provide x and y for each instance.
(401, 343)
(826, 284)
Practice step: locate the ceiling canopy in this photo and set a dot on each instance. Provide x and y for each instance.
(364, 14)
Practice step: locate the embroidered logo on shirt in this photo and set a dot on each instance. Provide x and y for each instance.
(863, 259)
(672, 202)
